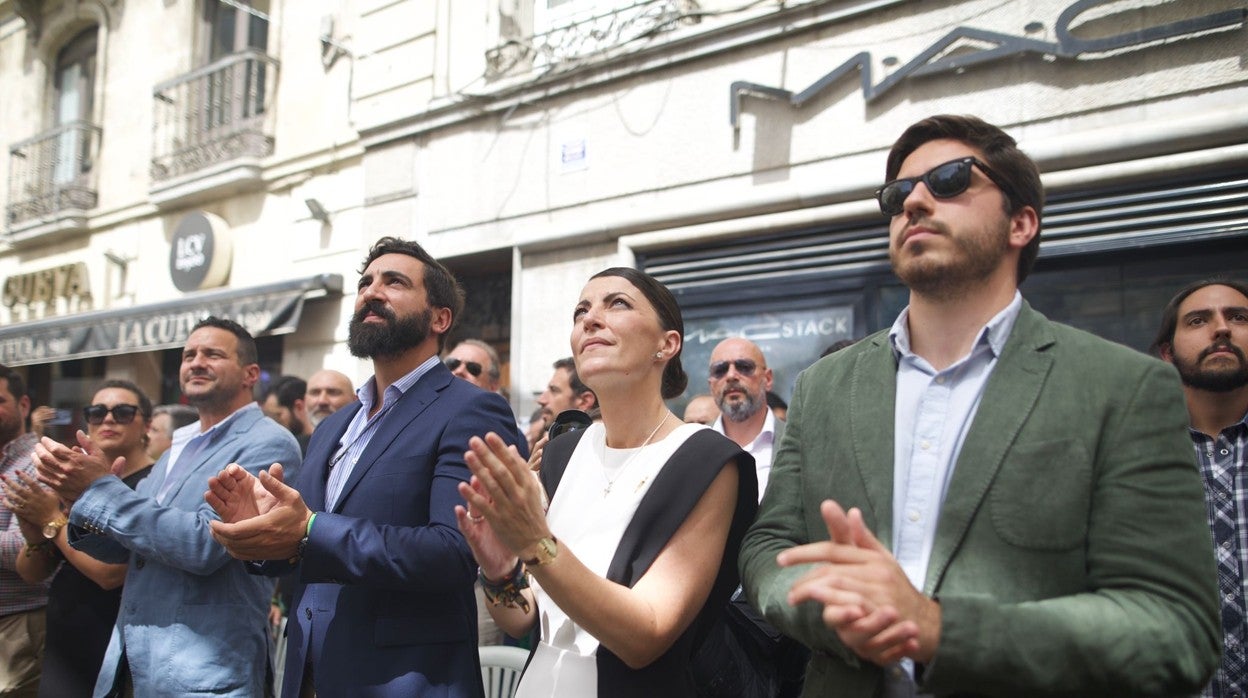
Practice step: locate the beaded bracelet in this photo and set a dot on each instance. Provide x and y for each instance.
(507, 592)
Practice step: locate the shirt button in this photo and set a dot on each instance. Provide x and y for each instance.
(1224, 452)
(940, 380)
(307, 612)
(1226, 545)
(913, 515)
(925, 444)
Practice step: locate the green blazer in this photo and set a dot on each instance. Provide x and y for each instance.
(1072, 556)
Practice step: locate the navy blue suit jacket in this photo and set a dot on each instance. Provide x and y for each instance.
(384, 604)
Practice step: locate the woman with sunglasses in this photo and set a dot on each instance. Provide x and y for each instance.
(84, 595)
(637, 553)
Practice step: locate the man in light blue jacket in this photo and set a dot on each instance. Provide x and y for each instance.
(192, 622)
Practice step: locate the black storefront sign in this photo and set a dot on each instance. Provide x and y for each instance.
(263, 310)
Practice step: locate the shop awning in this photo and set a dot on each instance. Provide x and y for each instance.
(271, 309)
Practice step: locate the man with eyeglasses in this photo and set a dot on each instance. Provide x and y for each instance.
(739, 380)
(476, 362)
(978, 500)
(22, 620)
(192, 620)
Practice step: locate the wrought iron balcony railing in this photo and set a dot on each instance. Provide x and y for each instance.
(213, 115)
(585, 38)
(52, 172)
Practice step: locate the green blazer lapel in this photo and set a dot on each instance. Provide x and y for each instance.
(1009, 398)
(872, 397)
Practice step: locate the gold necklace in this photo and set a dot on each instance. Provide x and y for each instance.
(629, 461)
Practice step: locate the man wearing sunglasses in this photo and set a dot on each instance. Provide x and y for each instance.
(476, 362)
(739, 380)
(978, 500)
(192, 620)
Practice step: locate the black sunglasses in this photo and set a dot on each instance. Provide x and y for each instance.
(122, 414)
(569, 420)
(745, 367)
(473, 367)
(943, 181)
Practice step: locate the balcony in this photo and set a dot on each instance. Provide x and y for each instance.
(52, 183)
(213, 127)
(573, 40)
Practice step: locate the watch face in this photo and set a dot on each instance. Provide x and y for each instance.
(50, 531)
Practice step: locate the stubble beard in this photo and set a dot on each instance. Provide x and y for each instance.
(974, 257)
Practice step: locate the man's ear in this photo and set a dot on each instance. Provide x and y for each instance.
(586, 400)
(1163, 350)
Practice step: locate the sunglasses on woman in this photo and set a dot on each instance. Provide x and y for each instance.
(745, 367)
(122, 414)
(473, 367)
(944, 181)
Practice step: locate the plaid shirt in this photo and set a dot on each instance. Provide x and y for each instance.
(15, 594)
(1224, 465)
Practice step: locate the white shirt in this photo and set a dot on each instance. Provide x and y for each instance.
(762, 448)
(933, 414)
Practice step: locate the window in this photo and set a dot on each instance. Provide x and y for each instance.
(74, 90)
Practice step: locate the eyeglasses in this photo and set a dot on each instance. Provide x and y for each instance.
(122, 414)
(569, 420)
(943, 181)
(473, 367)
(745, 367)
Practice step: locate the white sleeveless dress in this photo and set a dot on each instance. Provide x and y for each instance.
(589, 520)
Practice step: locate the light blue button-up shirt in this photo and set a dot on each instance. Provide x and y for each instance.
(360, 432)
(933, 414)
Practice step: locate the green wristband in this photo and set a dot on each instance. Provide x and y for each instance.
(309, 531)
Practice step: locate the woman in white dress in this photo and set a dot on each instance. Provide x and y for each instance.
(637, 553)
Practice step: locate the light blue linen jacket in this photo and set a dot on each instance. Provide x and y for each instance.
(192, 620)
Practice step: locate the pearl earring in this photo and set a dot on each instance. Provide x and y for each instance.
(658, 355)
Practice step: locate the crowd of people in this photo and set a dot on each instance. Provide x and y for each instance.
(976, 501)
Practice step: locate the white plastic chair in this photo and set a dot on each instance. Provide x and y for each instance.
(500, 669)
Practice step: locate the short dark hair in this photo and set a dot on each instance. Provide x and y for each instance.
(1170, 313)
(247, 353)
(1001, 153)
(837, 346)
(574, 380)
(441, 287)
(13, 379)
(674, 379)
(145, 403)
(179, 415)
(287, 389)
(774, 401)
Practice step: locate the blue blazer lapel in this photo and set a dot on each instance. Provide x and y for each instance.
(408, 408)
(1009, 398)
(313, 475)
(182, 473)
(872, 399)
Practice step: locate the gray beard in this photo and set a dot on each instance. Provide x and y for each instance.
(740, 411)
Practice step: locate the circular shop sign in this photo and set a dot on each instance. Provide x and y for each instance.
(200, 254)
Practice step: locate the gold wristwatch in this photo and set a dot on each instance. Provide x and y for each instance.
(547, 550)
(54, 527)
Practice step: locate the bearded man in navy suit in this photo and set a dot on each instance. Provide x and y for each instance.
(384, 604)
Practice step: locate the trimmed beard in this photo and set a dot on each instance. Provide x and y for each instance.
(1214, 380)
(740, 411)
(397, 335)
